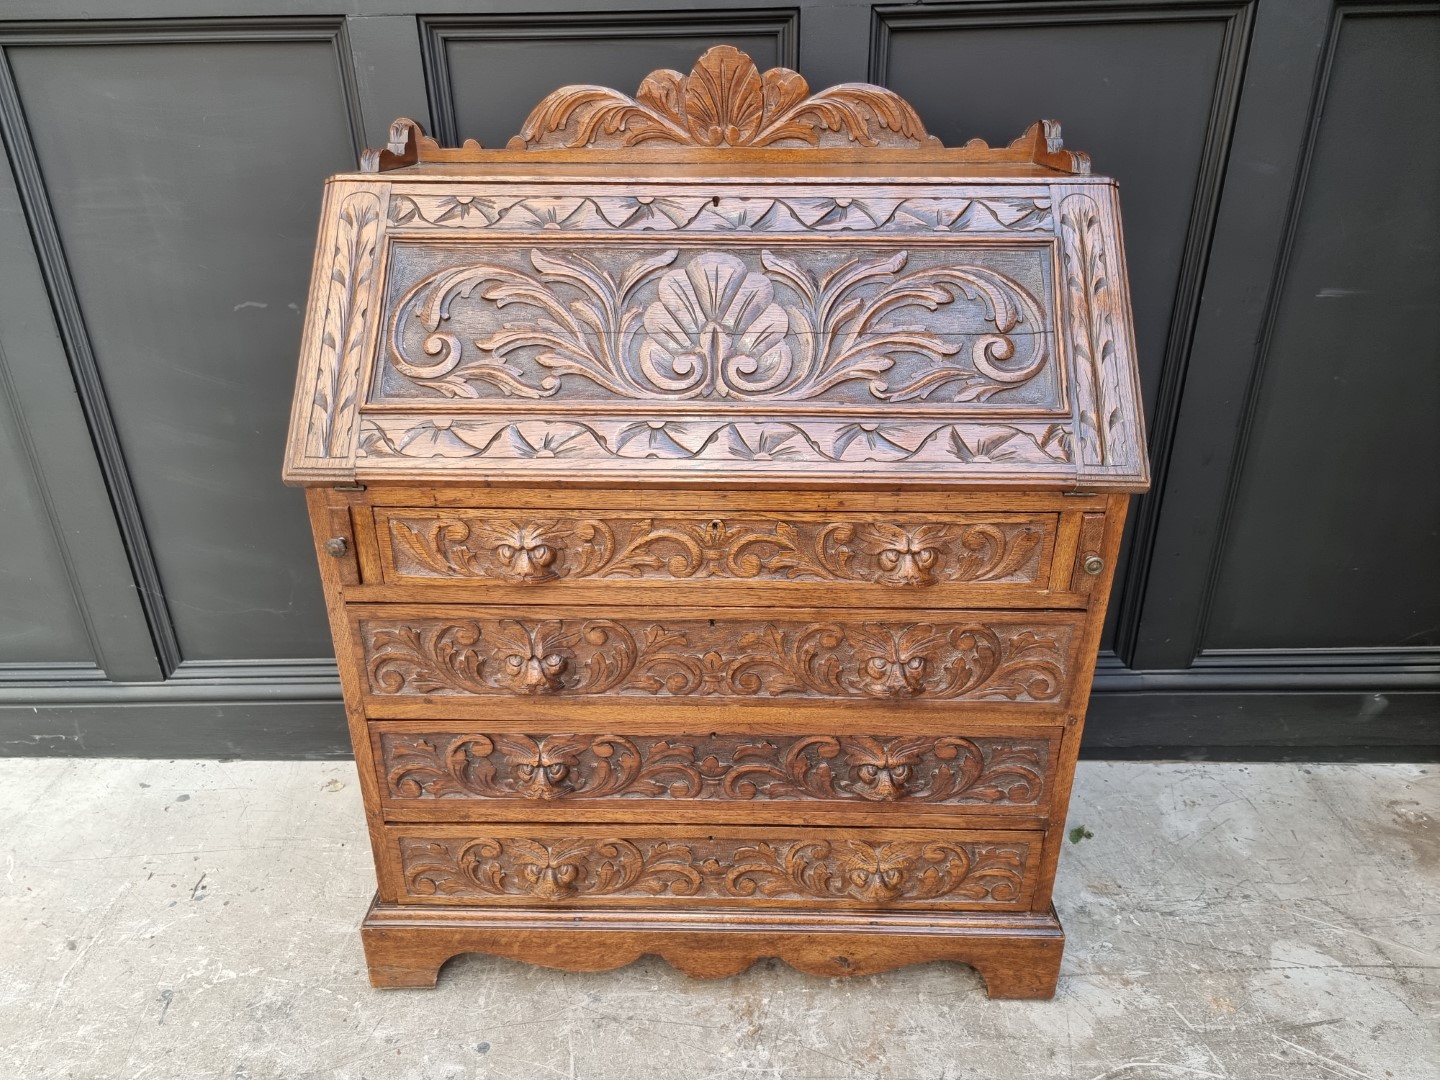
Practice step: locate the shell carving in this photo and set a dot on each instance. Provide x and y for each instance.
(724, 101)
(714, 328)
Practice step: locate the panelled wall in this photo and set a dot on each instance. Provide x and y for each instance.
(1280, 180)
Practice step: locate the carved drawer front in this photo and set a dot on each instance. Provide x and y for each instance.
(462, 772)
(639, 865)
(435, 653)
(906, 554)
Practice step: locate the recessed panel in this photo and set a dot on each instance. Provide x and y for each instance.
(1334, 537)
(948, 327)
(185, 180)
(39, 623)
(497, 74)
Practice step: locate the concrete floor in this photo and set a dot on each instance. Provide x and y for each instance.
(193, 920)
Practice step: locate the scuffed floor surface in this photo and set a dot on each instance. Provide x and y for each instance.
(189, 920)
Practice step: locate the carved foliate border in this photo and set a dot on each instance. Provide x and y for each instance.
(494, 210)
(755, 444)
(1109, 425)
(339, 335)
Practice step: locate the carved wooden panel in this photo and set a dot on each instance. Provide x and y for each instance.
(909, 550)
(606, 866)
(946, 656)
(922, 326)
(844, 770)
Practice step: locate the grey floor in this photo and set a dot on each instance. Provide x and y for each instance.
(189, 919)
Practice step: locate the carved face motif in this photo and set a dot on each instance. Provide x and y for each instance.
(879, 772)
(526, 552)
(549, 875)
(875, 873)
(542, 769)
(534, 673)
(891, 664)
(905, 554)
(539, 657)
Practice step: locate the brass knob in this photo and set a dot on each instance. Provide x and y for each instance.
(1092, 564)
(337, 546)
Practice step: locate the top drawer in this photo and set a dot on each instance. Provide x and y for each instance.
(968, 555)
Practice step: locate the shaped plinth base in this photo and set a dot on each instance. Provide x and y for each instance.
(1017, 955)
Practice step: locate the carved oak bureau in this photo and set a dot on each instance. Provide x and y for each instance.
(717, 493)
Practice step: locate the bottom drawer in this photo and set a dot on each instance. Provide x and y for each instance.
(649, 865)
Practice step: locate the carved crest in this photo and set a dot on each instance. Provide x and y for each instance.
(724, 101)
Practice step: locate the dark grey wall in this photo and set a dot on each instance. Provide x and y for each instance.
(1280, 182)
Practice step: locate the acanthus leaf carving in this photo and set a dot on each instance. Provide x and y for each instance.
(905, 553)
(874, 873)
(555, 871)
(1007, 659)
(725, 101)
(715, 326)
(843, 871)
(986, 771)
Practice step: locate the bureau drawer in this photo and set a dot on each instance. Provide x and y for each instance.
(898, 557)
(715, 867)
(436, 653)
(546, 770)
